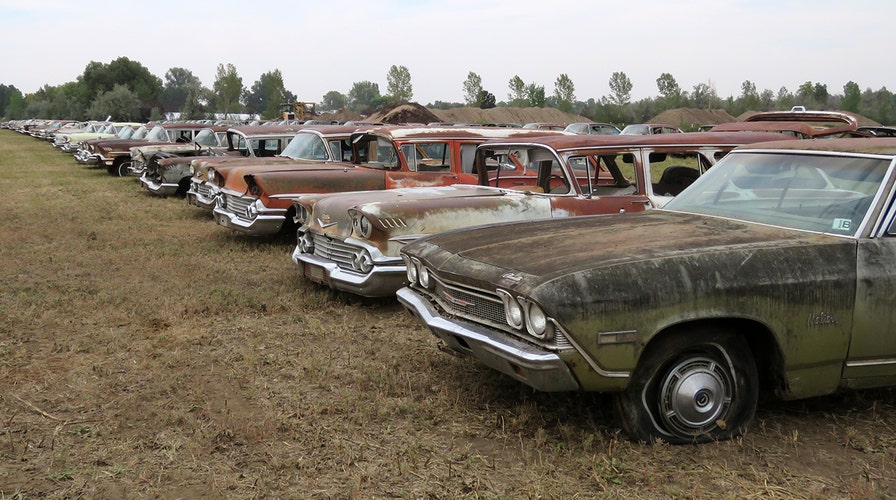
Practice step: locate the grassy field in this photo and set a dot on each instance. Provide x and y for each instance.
(147, 352)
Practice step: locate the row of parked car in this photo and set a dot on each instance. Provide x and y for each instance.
(685, 273)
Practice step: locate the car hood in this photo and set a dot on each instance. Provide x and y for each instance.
(395, 211)
(542, 250)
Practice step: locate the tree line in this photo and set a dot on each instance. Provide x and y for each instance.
(127, 91)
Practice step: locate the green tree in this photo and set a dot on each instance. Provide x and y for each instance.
(852, 97)
(517, 95)
(535, 95)
(704, 97)
(749, 97)
(178, 82)
(472, 89)
(333, 100)
(266, 95)
(6, 93)
(99, 78)
(485, 99)
(784, 99)
(398, 84)
(120, 103)
(564, 92)
(364, 96)
(806, 94)
(820, 94)
(15, 110)
(621, 88)
(228, 87)
(669, 89)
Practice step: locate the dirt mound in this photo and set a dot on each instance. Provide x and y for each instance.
(408, 112)
(691, 118)
(507, 115)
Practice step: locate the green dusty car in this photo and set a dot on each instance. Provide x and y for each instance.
(771, 274)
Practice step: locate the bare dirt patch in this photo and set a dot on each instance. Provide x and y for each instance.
(147, 352)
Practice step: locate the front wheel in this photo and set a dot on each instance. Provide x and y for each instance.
(692, 387)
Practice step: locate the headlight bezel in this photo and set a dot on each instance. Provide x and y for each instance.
(513, 310)
(362, 225)
(412, 269)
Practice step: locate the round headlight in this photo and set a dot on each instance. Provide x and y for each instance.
(301, 214)
(362, 261)
(362, 225)
(513, 311)
(425, 280)
(537, 323)
(407, 268)
(412, 271)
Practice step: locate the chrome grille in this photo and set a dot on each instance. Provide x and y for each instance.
(335, 250)
(470, 305)
(487, 309)
(203, 190)
(237, 204)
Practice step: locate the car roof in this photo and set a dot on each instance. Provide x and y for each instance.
(570, 142)
(427, 132)
(867, 145)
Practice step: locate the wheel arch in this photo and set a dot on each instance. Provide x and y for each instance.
(759, 337)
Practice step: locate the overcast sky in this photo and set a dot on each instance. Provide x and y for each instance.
(328, 45)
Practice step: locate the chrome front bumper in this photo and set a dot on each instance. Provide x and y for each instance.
(262, 225)
(381, 281)
(531, 365)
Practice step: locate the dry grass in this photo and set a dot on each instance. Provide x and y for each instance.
(147, 352)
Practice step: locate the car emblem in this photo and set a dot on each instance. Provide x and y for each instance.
(512, 277)
(456, 301)
(324, 222)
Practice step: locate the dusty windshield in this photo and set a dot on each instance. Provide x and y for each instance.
(206, 137)
(307, 147)
(157, 134)
(814, 192)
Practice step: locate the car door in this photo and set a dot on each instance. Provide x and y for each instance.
(872, 348)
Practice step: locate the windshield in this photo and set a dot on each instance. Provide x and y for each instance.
(206, 137)
(814, 192)
(306, 147)
(140, 133)
(157, 134)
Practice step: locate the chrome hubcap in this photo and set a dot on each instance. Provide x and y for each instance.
(695, 395)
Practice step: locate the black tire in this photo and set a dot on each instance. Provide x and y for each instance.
(691, 387)
(117, 165)
(123, 168)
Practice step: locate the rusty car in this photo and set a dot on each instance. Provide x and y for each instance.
(115, 154)
(351, 241)
(315, 144)
(588, 128)
(770, 275)
(798, 122)
(649, 128)
(169, 171)
(382, 158)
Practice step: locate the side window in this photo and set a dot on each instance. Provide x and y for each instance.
(467, 155)
(670, 173)
(428, 156)
(339, 154)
